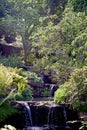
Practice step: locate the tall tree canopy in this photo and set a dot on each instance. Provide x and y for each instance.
(20, 16)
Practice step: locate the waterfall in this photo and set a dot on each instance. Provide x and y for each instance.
(56, 115)
(65, 114)
(50, 115)
(28, 115)
(45, 116)
(52, 90)
(50, 118)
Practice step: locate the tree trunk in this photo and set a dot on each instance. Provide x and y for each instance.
(26, 42)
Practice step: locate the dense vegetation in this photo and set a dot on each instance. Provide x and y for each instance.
(13, 86)
(74, 91)
(54, 37)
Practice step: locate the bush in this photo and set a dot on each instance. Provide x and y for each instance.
(11, 61)
(6, 110)
(75, 90)
(78, 5)
(12, 83)
(34, 77)
(62, 93)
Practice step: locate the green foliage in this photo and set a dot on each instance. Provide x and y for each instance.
(78, 5)
(75, 90)
(52, 57)
(59, 72)
(55, 6)
(5, 79)
(57, 48)
(84, 126)
(51, 47)
(6, 110)
(45, 92)
(12, 83)
(68, 25)
(20, 14)
(34, 77)
(79, 48)
(62, 93)
(11, 61)
(20, 17)
(74, 37)
(24, 92)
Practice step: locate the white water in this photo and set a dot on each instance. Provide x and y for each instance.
(35, 128)
(28, 112)
(50, 118)
(50, 115)
(40, 128)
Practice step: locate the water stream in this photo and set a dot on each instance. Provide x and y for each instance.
(44, 116)
(65, 114)
(28, 114)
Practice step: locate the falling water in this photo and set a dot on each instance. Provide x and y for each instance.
(50, 119)
(65, 115)
(28, 114)
(49, 112)
(50, 115)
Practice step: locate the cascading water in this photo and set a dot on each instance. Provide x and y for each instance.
(65, 114)
(44, 116)
(50, 118)
(49, 113)
(57, 117)
(28, 114)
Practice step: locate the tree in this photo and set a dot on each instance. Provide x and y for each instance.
(73, 31)
(60, 47)
(22, 18)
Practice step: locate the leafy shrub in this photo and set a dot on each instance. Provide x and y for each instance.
(11, 61)
(75, 90)
(78, 5)
(68, 25)
(62, 93)
(45, 92)
(61, 46)
(6, 110)
(24, 93)
(59, 73)
(79, 49)
(34, 77)
(12, 83)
